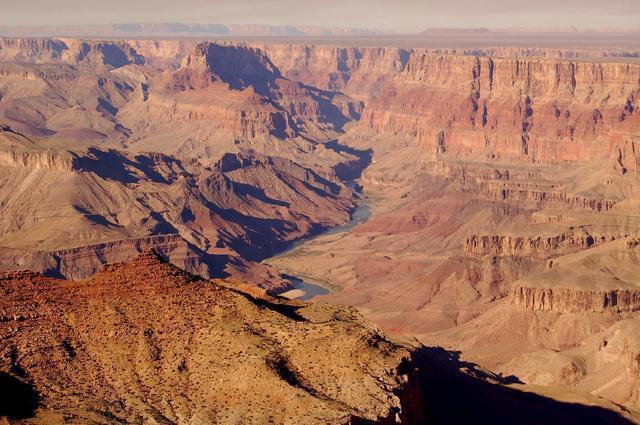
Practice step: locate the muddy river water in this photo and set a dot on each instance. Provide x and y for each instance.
(305, 290)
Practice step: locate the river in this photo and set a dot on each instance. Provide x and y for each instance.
(305, 290)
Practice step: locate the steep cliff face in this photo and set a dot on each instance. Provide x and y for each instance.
(564, 300)
(529, 109)
(541, 246)
(360, 72)
(163, 53)
(602, 279)
(31, 49)
(540, 194)
(513, 108)
(525, 188)
(39, 160)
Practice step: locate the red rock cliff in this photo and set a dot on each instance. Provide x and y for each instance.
(531, 109)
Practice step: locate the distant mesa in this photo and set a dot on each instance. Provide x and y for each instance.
(436, 31)
(178, 29)
(526, 30)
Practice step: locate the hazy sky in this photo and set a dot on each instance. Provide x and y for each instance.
(398, 15)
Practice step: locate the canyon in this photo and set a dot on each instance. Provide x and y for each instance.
(503, 188)
(147, 342)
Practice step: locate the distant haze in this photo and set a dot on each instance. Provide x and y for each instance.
(398, 15)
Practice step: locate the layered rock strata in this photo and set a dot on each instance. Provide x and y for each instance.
(603, 279)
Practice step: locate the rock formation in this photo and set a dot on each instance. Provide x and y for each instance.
(108, 352)
(503, 183)
(526, 109)
(145, 341)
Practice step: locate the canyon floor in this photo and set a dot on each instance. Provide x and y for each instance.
(484, 203)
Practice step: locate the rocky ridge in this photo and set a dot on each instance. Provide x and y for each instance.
(221, 218)
(611, 287)
(282, 346)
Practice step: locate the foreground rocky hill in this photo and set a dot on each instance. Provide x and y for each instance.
(147, 342)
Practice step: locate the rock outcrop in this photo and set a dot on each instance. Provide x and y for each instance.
(537, 246)
(146, 341)
(57, 161)
(575, 283)
(568, 300)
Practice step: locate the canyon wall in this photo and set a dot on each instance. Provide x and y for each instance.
(601, 279)
(564, 300)
(529, 109)
(532, 246)
(39, 160)
(505, 104)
